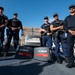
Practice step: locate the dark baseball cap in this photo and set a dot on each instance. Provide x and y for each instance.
(55, 14)
(2, 8)
(15, 14)
(45, 17)
(71, 6)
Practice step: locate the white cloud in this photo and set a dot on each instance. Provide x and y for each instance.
(51, 19)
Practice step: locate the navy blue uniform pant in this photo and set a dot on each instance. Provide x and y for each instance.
(63, 40)
(15, 36)
(70, 46)
(46, 41)
(1, 38)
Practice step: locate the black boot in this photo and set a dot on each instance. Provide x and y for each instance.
(66, 60)
(5, 52)
(0, 53)
(59, 60)
(70, 62)
(70, 65)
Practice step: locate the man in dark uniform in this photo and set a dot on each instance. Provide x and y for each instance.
(46, 33)
(3, 23)
(14, 25)
(59, 37)
(69, 26)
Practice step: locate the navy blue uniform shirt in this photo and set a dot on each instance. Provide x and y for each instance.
(69, 23)
(46, 27)
(2, 20)
(57, 23)
(14, 23)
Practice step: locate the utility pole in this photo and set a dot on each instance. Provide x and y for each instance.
(32, 31)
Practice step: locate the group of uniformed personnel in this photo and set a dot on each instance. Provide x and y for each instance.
(13, 27)
(59, 31)
(62, 32)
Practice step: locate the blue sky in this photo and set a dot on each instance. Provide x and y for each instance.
(32, 12)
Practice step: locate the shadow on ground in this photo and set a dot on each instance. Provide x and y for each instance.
(23, 68)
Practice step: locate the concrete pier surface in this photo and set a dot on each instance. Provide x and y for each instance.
(11, 66)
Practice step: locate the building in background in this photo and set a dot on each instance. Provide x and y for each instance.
(29, 31)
